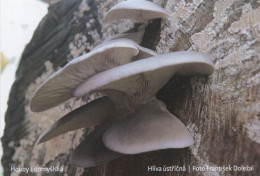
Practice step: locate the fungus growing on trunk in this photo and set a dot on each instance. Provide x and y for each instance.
(151, 127)
(128, 119)
(138, 10)
(142, 79)
(59, 86)
(131, 90)
(89, 115)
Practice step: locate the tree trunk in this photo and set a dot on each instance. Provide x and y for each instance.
(221, 111)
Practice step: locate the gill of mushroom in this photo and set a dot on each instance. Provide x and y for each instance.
(59, 86)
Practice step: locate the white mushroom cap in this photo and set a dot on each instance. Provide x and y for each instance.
(142, 79)
(92, 151)
(89, 115)
(138, 10)
(59, 86)
(143, 52)
(150, 128)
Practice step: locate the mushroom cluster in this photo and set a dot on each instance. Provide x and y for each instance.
(128, 119)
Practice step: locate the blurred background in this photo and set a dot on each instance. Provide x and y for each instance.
(18, 20)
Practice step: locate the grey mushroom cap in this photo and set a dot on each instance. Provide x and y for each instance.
(150, 128)
(142, 79)
(143, 52)
(59, 86)
(91, 151)
(89, 115)
(138, 10)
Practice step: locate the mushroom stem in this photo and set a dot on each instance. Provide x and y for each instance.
(122, 101)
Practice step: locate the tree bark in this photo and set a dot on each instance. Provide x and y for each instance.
(221, 111)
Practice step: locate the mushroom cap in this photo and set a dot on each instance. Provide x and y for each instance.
(143, 52)
(150, 128)
(59, 86)
(142, 79)
(91, 151)
(138, 10)
(89, 115)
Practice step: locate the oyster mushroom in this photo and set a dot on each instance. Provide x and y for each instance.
(92, 150)
(151, 127)
(142, 79)
(138, 10)
(142, 51)
(59, 86)
(132, 120)
(130, 87)
(89, 115)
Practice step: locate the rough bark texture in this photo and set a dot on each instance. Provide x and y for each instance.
(221, 111)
